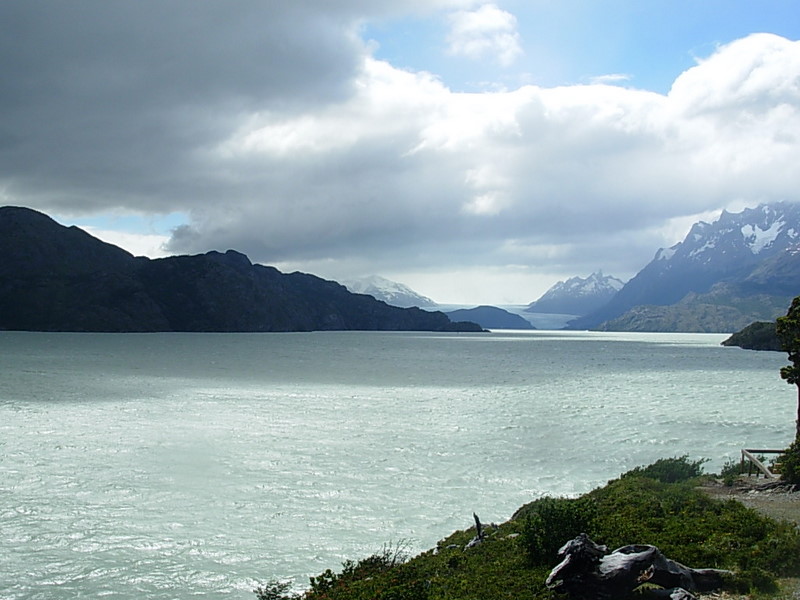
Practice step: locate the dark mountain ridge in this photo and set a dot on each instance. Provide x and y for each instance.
(56, 278)
(490, 317)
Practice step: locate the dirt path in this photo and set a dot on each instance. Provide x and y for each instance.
(761, 495)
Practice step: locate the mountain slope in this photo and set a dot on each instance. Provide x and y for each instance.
(760, 335)
(490, 317)
(56, 278)
(577, 296)
(748, 258)
(391, 292)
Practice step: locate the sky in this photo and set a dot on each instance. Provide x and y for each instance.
(477, 152)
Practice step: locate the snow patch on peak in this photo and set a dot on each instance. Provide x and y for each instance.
(596, 283)
(577, 296)
(358, 286)
(709, 245)
(391, 292)
(666, 253)
(698, 231)
(758, 239)
(599, 282)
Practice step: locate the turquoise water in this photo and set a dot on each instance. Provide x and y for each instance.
(178, 465)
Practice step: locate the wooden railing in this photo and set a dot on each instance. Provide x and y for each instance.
(752, 458)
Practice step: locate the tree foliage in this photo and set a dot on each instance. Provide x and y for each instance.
(790, 463)
(788, 330)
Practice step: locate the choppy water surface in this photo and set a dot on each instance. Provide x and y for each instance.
(178, 465)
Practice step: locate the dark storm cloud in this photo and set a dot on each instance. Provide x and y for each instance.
(107, 102)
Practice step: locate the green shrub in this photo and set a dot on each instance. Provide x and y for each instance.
(754, 581)
(630, 510)
(550, 522)
(790, 463)
(330, 584)
(275, 590)
(730, 472)
(391, 555)
(670, 470)
(691, 528)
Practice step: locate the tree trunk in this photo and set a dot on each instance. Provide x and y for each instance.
(797, 423)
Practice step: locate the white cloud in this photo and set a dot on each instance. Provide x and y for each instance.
(384, 102)
(752, 75)
(406, 171)
(144, 244)
(489, 203)
(487, 31)
(610, 79)
(738, 112)
(504, 284)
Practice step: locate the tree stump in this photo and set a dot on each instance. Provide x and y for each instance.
(588, 571)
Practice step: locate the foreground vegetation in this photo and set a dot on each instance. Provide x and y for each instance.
(658, 505)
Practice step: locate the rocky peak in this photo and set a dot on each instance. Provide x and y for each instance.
(753, 250)
(762, 231)
(577, 295)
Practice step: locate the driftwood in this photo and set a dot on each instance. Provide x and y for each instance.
(588, 571)
(479, 531)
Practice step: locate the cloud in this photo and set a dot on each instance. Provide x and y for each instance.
(276, 132)
(610, 79)
(487, 31)
(407, 167)
(100, 94)
(148, 244)
(756, 73)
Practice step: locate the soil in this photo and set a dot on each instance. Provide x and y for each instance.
(766, 496)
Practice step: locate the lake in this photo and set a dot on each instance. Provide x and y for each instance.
(184, 465)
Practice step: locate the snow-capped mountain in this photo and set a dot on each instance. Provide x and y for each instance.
(577, 296)
(750, 236)
(738, 256)
(391, 292)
